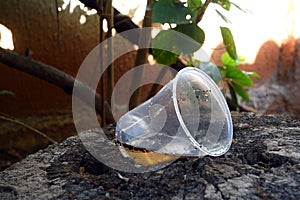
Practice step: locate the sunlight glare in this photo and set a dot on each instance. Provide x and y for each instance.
(105, 28)
(6, 41)
(82, 19)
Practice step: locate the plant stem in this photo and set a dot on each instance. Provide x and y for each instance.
(141, 57)
(57, 24)
(107, 79)
(110, 70)
(202, 11)
(103, 79)
(6, 118)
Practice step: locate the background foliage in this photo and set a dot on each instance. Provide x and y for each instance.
(184, 16)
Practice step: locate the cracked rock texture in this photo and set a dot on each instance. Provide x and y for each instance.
(262, 163)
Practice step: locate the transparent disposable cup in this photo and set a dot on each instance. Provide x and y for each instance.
(188, 117)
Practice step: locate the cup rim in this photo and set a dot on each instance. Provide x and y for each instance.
(221, 101)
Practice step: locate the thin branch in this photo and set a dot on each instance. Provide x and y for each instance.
(121, 22)
(10, 119)
(141, 58)
(110, 70)
(51, 75)
(105, 11)
(100, 5)
(202, 10)
(57, 23)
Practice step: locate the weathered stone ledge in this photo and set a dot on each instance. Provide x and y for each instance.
(263, 163)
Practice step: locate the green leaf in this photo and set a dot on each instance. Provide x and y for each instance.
(228, 61)
(223, 17)
(171, 11)
(238, 7)
(241, 91)
(238, 76)
(233, 96)
(229, 43)
(252, 74)
(224, 3)
(176, 42)
(194, 5)
(165, 40)
(212, 70)
(193, 32)
(164, 57)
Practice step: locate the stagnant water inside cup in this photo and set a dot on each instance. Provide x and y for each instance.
(154, 126)
(188, 117)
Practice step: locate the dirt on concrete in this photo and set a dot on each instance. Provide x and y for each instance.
(262, 163)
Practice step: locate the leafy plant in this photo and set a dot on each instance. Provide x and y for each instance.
(183, 17)
(235, 78)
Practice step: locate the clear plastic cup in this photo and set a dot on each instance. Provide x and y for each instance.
(189, 116)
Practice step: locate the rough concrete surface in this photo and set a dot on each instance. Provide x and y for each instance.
(262, 163)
